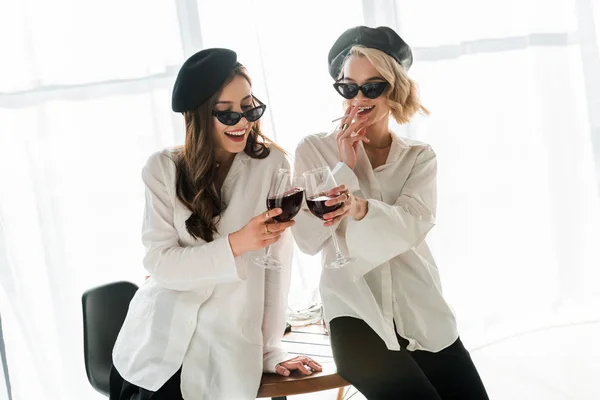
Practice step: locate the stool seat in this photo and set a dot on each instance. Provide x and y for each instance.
(273, 385)
(313, 341)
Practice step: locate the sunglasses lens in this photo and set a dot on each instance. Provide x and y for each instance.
(347, 91)
(229, 118)
(255, 113)
(374, 90)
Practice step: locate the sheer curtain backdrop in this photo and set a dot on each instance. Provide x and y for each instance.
(513, 87)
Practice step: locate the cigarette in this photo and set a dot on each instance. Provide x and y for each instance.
(354, 103)
(342, 117)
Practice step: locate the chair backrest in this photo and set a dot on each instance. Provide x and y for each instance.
(104, 310)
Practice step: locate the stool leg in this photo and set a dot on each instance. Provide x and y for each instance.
(340, 395)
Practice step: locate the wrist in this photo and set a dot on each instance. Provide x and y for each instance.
(361, 206)
(234, 243)
(345, 160)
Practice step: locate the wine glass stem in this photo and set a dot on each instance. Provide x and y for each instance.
(335, 242)
(268, 249)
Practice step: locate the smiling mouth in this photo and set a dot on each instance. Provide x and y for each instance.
(237, 135)
(365, 110)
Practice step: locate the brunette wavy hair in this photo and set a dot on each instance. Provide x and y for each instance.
(196, 166)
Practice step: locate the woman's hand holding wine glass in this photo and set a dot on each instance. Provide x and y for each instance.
(258, 233)
(325, 199)
(286, 197)
(350, 205)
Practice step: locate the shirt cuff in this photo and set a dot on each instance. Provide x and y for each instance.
(273, 358)
(239, 261)
(343, 174)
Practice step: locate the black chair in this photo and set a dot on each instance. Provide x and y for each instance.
(104, 310)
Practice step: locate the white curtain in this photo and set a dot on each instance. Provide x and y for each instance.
(4, 380)
(514, 92)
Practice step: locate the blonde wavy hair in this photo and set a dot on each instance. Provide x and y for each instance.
(402, 94)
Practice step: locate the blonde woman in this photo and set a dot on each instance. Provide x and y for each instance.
(393, 335)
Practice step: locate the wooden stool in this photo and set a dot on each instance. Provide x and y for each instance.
(313, 341)
(278, 387)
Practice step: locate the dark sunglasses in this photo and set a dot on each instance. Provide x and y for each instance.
(231, 118)
(371, 90)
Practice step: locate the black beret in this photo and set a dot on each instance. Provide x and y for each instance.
(201, 76)
(381, 38)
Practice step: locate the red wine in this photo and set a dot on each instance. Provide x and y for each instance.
(290, 202)
(317, 206)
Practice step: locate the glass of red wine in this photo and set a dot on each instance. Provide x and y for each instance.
(287, 196)
(318, 183)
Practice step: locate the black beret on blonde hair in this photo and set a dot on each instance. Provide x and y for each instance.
(391, 57)
(382, 38)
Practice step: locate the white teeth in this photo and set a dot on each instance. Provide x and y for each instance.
(236, 133)
(361, 109)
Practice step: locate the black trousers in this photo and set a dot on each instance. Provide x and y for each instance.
(120, 389)
(381, 374)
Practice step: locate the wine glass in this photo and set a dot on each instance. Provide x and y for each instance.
(318, 182)
(287, 196)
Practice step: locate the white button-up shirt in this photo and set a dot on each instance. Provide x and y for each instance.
(219, 317)
(395, 278)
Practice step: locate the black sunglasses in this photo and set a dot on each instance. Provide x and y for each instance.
(231, 118)
(371, 90)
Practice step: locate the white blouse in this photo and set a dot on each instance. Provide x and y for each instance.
(218, 317)
(395, 279)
